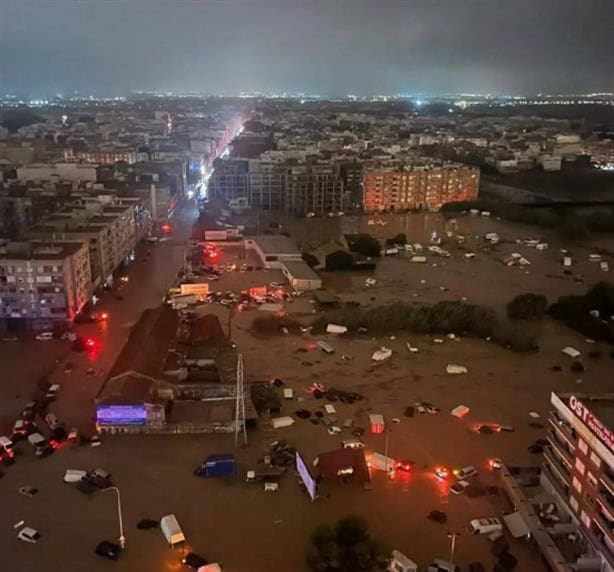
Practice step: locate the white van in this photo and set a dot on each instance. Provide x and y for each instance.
(484, 526)
(74, 475)
(381, 462)
(400, 563)
(439, 565)
(39, 443)
(45, 337)
(6, 444)
(465, 472)
(352, 444)
(171, 530)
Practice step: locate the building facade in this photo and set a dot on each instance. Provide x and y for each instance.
(110, 236)
(43, 283)
(297, 189)
(579, 465)
(418, 187)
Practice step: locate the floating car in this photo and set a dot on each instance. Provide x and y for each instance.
(28, 534)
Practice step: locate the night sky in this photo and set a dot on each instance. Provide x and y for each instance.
(328, 47)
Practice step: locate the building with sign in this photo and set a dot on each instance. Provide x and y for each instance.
(578, 465)
(128, 403)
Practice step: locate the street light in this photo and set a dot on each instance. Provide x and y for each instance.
(452, 536)
(122, 538)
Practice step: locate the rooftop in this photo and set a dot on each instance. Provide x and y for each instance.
(39, 250)
(276, 244)
(600, 405)
(127, 388)
(300, 270)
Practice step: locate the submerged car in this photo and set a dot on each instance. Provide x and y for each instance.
(192, 560)
(28, 534)
(108, 550)
(437, 516)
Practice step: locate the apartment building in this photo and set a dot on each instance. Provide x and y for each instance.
(418, 187)
(313, 189)
(297, 189)
(578, 466)
(109, 156)
(42, 283)
(110, 235)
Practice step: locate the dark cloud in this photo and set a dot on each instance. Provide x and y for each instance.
(317, 46)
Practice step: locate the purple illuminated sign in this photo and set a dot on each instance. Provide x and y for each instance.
(121, 415)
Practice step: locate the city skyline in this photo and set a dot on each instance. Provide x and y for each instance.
(311, 47)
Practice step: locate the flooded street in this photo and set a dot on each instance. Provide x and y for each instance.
(155, 472)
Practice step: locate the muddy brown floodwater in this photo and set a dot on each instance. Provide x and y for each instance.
(250, 530)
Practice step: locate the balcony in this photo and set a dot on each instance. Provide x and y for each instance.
(604, 525)
(605, 512)
(563, 430)
(606, 480)
(560, 471)
(561, 447)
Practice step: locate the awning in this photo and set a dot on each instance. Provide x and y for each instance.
(516, 525)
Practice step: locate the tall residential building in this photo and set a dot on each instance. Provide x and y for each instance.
(297, 189)
(109, 233)
(418, 187)
(316, 189)
(43, 283)
(579, 465)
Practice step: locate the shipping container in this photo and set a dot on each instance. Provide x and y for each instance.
(217, 466)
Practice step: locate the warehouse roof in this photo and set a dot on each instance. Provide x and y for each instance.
(275, 244)
(300, 270)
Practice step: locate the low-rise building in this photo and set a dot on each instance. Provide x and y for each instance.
(273, 250)
(300, 275)
(57, 172)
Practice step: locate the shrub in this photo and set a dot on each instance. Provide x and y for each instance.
(400, 238)
(572, 231)
(527, 307)
(441, 318)
(575, 312)
(365, 244)
(346, 547)
(273, 324)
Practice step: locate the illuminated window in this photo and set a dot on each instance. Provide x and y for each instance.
(595, 459)
(576, 484)
(574, 503)
(586, 520)
(583, 446)
(580, 466)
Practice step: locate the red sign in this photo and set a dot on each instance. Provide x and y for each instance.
(597, 427)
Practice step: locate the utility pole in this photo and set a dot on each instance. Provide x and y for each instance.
(240, 404)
